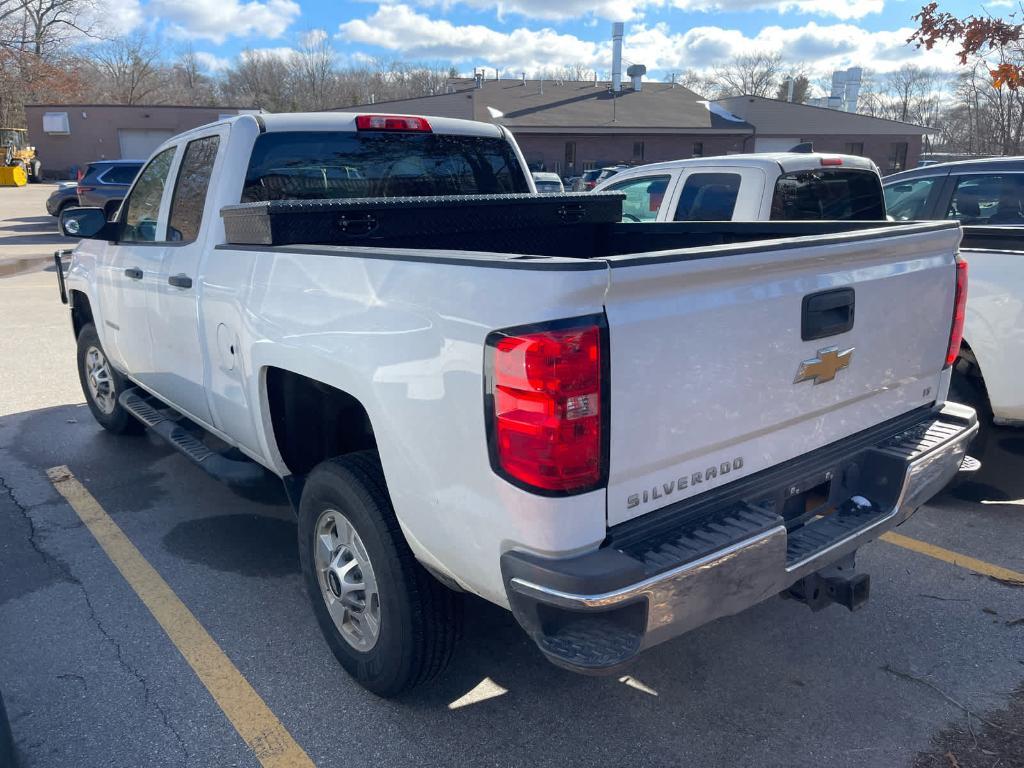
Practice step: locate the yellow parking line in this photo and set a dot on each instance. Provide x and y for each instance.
(948, 556)
(272, 745)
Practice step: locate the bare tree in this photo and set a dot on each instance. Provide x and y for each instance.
(754, 74)
(50, 24)
(262, 80)
(130, 69)
(313, 69)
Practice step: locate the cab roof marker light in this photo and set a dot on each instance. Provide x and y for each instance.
(393, 123)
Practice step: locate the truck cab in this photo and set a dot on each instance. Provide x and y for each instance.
(795, 186)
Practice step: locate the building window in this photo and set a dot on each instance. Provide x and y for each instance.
(854, 148)
(638, 151)
(558, 167)
(56, 122)
(588, 165)
(570, 154)
(698, 149)
(897, 156)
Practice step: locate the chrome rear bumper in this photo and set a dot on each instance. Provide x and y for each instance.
(596, 612)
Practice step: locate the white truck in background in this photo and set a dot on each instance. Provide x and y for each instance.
(767, 186)
(619, 439)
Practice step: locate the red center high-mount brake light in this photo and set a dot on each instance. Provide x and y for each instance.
(831, 161)
(392, 123)
(956, 331)
(546, 406)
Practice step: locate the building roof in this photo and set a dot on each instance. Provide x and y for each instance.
(772, 116)
(552, 106)
(139, 107)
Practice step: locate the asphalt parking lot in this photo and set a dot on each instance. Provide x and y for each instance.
(91, 678)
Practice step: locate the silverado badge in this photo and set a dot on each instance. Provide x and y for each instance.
(825, 366)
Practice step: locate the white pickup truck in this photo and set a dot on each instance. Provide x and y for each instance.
(767, 186)
(619, 442)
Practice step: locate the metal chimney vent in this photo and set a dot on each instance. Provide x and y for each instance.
(618, 30)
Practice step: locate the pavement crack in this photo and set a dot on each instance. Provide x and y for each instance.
(54, 562)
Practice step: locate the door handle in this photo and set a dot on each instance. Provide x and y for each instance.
(134, 273)
(180, 281)
(827, 313)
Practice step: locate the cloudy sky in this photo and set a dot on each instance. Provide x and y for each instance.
(531, 35)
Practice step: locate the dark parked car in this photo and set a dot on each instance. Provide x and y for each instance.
(64, 196)
(105, 183)
(976, 192)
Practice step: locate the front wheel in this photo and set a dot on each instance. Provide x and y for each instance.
(102, 385)
(390, 624)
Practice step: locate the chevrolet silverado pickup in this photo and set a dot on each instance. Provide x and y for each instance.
(618, 431)
(776, 186)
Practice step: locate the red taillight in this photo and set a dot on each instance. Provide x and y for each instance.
(831, 161)
(392, 123)
(546, 408)
(80, 189)
(956, 332)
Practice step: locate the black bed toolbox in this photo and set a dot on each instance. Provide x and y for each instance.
(514, 223)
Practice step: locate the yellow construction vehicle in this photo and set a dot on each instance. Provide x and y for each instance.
(15, 152)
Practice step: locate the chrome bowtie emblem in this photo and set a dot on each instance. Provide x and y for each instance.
(825, 366)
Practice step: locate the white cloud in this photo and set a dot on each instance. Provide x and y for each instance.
(210, 62)
(616, 10)
(313, 37)
(840, 9)
(216, 20)
(410, 33)
(400, 29)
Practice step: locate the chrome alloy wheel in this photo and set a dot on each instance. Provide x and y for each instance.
(100, 380)
(347, 581)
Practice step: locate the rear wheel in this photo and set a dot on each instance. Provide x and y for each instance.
(36, 171)
(102, 385)
(390, 624)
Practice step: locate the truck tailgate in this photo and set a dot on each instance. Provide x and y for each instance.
(706, 346)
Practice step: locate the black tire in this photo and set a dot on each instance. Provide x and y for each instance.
(969, 390)
(36, 168)
(116, 419)
(65, 205)
(420, 619)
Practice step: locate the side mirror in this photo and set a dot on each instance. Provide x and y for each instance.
(89, 223)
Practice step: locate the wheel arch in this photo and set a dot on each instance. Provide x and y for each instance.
(308, 421)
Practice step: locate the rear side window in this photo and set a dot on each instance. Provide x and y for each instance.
(190, 189)
(908, 200)
(121, 174)
(310, 165)
(828, 194)
(989, 199)
(708, 197)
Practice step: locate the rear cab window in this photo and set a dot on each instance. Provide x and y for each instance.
(829, 194)
(311, 165)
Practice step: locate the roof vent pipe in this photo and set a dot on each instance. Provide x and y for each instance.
(636, 73)
(618, 30)
(523, 77)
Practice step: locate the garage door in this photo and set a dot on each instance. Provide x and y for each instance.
(775, 145)
(139, 144)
